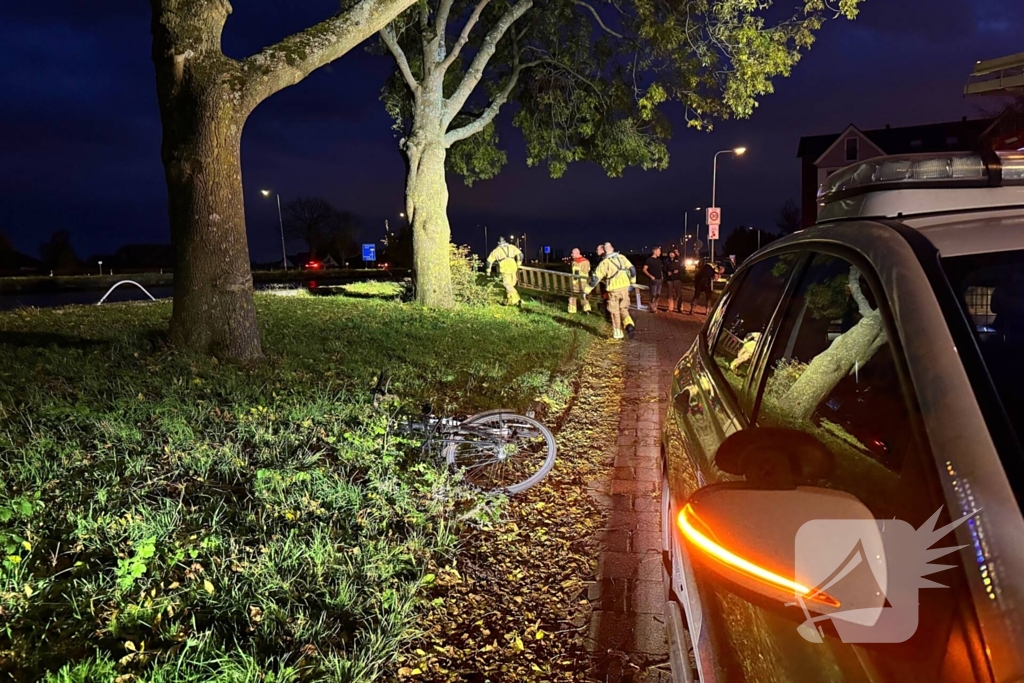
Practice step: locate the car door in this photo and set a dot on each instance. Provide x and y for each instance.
(830, 365)
(711, 399)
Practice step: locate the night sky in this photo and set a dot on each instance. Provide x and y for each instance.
(80, 132)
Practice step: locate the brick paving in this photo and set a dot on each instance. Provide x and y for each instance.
(627, 630)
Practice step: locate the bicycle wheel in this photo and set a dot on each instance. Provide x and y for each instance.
(501, 451)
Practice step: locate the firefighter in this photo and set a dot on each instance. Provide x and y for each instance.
(508, 257)
(619, 276)
(580, 274)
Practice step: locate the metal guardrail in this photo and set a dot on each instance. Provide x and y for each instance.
(125, 282)
(558, 282)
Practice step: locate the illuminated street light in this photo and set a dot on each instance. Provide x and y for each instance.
(686, 229)
(280, 220)
(738, 151)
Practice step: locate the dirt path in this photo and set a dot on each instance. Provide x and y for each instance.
(626, 633)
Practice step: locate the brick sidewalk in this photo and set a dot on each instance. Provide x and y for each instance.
(627, 630)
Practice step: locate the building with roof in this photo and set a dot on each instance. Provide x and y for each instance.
(823, 155)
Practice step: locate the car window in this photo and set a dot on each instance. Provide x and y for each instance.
(745, 317)
(833, 371)
(990, 290)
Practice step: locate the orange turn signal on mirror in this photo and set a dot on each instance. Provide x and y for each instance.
(697, 532)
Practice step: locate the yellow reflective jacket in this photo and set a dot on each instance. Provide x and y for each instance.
(616, 271)
(508, 257)
(581, 267)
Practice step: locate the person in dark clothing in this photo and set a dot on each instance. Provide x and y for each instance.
(702, 284)
(653, 269)
(674, 274)
(602, 292)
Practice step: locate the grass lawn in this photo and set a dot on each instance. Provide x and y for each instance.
(170, 518)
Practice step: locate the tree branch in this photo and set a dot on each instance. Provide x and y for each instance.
(441, 21)
(454, 104)
(597, 17)
(862, 301)
(487, 115)
(289, 61)
(387, 34)
(464, 36)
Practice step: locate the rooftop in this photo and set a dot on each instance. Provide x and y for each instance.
(951, 136)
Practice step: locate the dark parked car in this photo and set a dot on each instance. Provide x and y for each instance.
(869, 369)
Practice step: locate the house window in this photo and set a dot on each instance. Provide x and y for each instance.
(851, 149)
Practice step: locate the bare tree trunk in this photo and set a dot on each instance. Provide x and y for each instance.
(205, 98)
(426, 199)
(213, 309)
(202, 117)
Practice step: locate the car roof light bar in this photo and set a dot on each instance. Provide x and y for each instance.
(925, 171)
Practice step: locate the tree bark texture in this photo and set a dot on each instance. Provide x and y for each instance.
(426, 200)
(213, 309)
(205, 99)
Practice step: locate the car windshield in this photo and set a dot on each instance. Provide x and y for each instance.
(990, 290)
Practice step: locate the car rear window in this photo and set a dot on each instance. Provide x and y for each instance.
(990, 290)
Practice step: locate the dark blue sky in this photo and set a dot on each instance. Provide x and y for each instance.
(80, 133)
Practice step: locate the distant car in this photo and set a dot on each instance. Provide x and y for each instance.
(314, 265)
(867, 369)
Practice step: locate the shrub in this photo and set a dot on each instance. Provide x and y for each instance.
(468, 286)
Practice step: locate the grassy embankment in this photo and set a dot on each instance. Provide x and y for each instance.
(171, 518)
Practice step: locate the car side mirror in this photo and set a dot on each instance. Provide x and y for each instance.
(749, 537)
(775, 457)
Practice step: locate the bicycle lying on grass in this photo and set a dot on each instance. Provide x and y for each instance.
(496, 451)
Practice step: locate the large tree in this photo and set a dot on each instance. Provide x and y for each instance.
(205, 98)
(57, 253)
(323, 228)
(588, 77)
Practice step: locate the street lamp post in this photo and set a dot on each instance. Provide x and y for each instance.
(101, 267)
(714, 182)
(686, 230)
(280, 220)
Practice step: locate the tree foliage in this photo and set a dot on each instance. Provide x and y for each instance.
(590, 80)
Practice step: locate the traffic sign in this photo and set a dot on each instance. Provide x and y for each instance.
(369, 252)
(712, 231)
(714, 216)
(547, 249)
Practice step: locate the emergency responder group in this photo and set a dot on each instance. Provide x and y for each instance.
(616, 276)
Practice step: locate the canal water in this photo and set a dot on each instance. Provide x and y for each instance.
(133, 293)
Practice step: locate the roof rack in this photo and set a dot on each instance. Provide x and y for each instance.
(997, 76)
